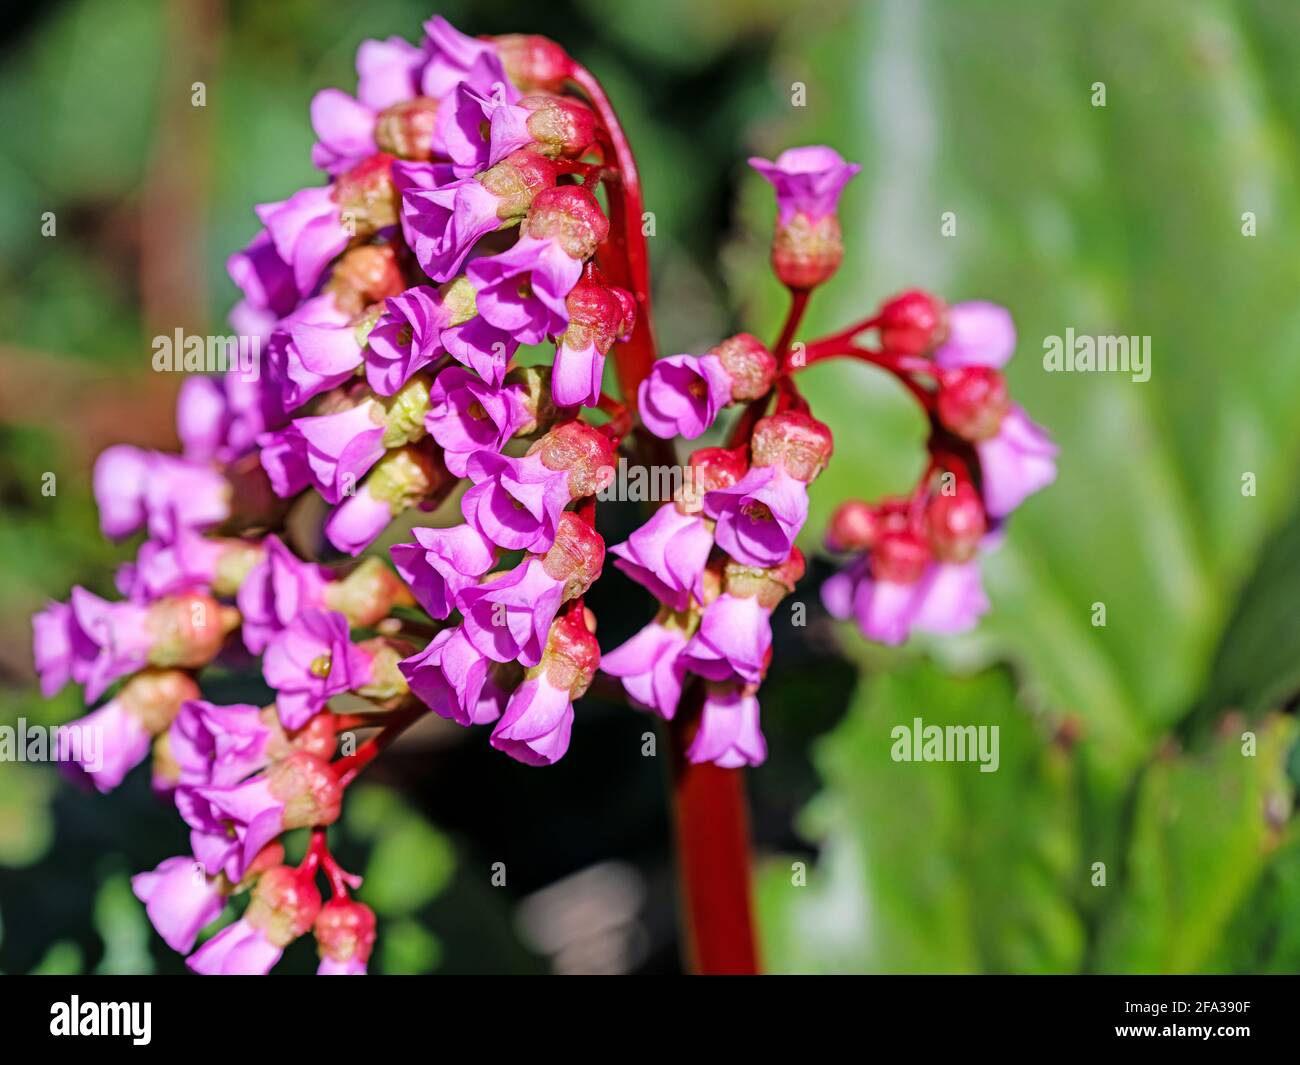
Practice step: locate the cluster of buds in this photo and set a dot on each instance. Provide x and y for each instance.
(719, 558)
(915, 563)
(457, 222)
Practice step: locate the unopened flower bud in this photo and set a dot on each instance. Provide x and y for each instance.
(585, 452)
(284, 905)
(749, 364)
(571, 656)
(153, 696)
(805, 254)
(345, 932)
(364, 276)
(460, 298)
(237, 558)
(405, 476)
(807, 246)
(598, 315)
(406, 129)
(534, 62)
(709, 468)
(913, 323)
(263, 861)
(972, 402)
(188, 630)
(769, 585)
(367, 197)
(405, 412)
(560, 125)
(899, 557)
(308, 788)
(956, 523)
(794, 440)
(576, 557)
(318, 737)
(570, 216)
(387, 682)
(516, 181)
(367, 594)
(853, 526)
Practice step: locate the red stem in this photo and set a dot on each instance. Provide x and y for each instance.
(713, 853)
(798, 304)
(709, 803)
(395, 723)
(318, 856)
(623, 257)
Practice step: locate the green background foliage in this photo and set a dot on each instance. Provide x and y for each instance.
(1121, 744)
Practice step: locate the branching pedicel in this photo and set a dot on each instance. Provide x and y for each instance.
(460, 222)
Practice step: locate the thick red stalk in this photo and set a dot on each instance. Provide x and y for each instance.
(624, 257)
(708, 803)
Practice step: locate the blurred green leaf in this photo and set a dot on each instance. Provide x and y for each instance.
(407, 948)
(26, 824)
(1204, 828)
(121, 923)
(411, 861)
(933, 866)
(62, 959)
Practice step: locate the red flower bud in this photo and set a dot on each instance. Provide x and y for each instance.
(308, 788)
(956, 523)
(284, 905)
(576, 557)
(188, 630)
(560, 125)
(598, 314)
(751, 366)
(345, 931)
(570, 216)
(853, 527)
(572, 654)
(795, 440)
(534, 62)
(899, 556)
(913, 323)
(364, 276)
(973, 400)
(807, 253)
(406, 129)
(153, 697)
(319, 737)
(516, 181)
(710, 468)
(584, 451)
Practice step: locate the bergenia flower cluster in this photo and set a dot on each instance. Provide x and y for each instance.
(458, 220)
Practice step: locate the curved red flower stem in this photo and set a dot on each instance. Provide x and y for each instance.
(393, 725)
(623, 257)
(318, 856)
(902, 367)
(708, 802)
